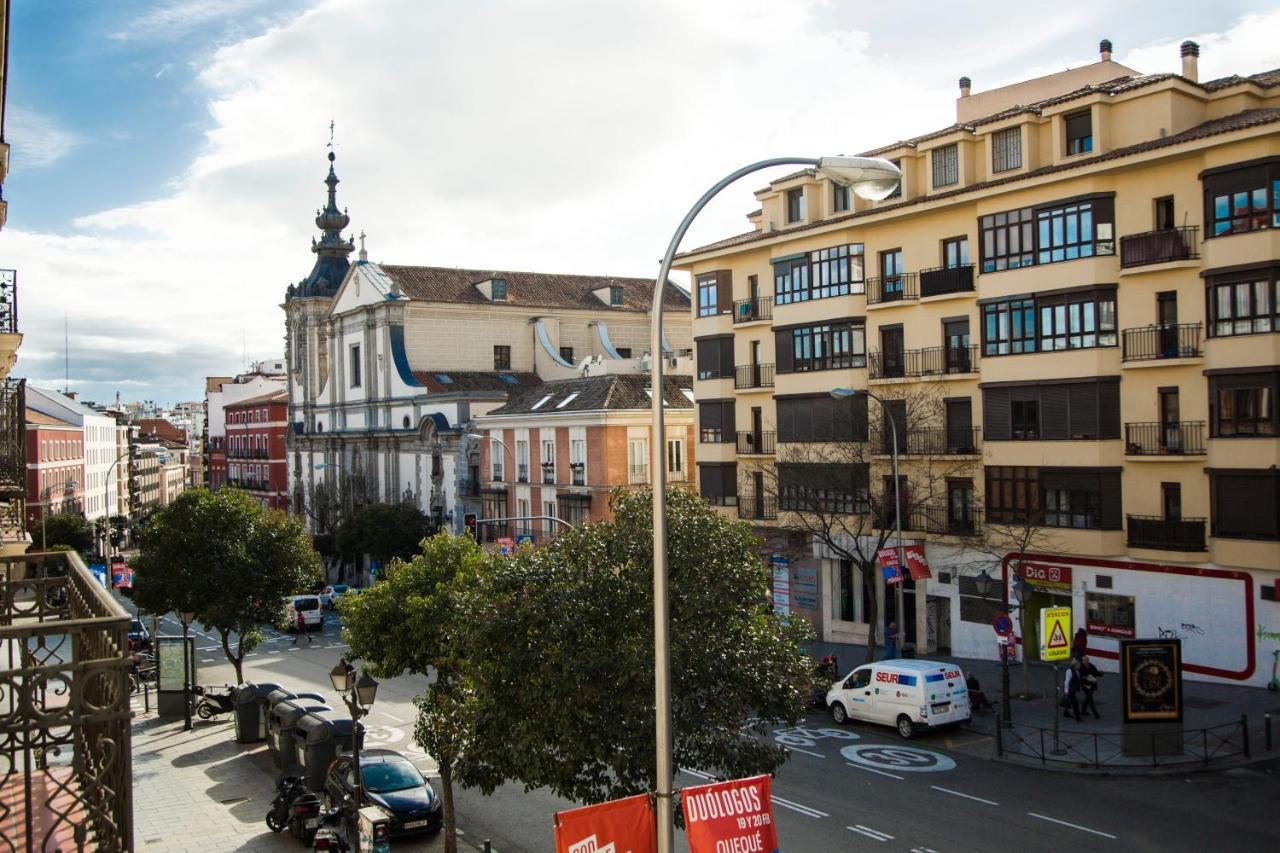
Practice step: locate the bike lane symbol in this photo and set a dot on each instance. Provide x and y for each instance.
(909, 758)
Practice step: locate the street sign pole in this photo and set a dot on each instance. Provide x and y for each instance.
(1057, 718)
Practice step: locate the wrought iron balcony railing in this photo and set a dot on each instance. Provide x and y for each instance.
(753, 376)
(13, 456)
(578, 473)
(1158, 247)
(750, 310)
(757, 508)
(1177, 438)
(638, 475)
(548, 473)
(1167, 340)
(891, 288)
(944, 520)
(8, 302)
(929, 441)
(468, 488)
(940, 280)
(522, 472)
(757, 442)
(930, 361)
(1163, 534)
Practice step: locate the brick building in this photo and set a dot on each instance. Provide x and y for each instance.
(255, 453)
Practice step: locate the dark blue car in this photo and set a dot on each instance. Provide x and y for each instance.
(392, 782)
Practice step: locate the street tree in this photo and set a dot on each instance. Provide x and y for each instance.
(561, 655)
(411, 623)
(224, 558)
(383, 531)
(63, 528)
(831, 482)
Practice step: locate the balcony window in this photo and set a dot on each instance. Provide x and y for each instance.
(718, 483)
(716, 421)
(823, 489)
(946, 165)
(841, 198)
(1071, 508)
(1244, 411)
(1052, 410)
(1006, 149)
(836, 271)
(1070, 231)
(1245, 307)
(795, 205)
(821, 418)
(1245, 504)
(1008, 240)
(830, 346)
(675, 458)
(1239, 199)
(1024, 420)
(715, 357)
(1009, 327)
(708, 304)
(1082, 322)
(791, 280)
(1079, 132)
(955, 252)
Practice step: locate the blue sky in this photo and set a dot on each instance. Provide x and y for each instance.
(168, 154)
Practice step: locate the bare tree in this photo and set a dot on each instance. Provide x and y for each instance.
(840, 494)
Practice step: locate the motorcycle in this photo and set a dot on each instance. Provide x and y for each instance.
(304, 818)
(210, 704)
(288, 789)
(329, 835)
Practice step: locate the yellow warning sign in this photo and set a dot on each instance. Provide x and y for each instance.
(1055, 633)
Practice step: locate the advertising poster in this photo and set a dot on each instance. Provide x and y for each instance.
(917, 562)
(781, 584)
(733, 815)
(804, 587)
(889, 565)
(121, 576)
(1151, 676)
(618, 826)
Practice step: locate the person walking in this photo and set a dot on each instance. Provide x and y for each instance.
(1089, 675)
(302, 629)
(891, 641)
(1079, 644)
(1071, 692)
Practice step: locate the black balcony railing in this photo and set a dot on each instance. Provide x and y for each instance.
(940, 280)
(944, 520)
(548, 473)
(578, 473)
(498, 474)
(1164, 534)
(1158, 247)
(753, 376)
(8, 302)
(891, 288)
(1177, 438)
(13, 457)
(757, 442)
(930, 441)
(65, 713)
(1168, 340)
(930, 361)
(757, 507)
(522, 472)
(750, 310)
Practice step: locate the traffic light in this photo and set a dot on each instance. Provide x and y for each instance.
(469, 522)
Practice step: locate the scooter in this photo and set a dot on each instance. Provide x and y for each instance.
(329, 835)
(212, 704)
(288, 789)
(304, 818)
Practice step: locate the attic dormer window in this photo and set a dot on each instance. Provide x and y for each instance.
(499, 290)
(615, 295)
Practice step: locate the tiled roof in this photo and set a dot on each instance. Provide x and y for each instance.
(41, 419)
(538, 290)
(612, 392)
(1237, 121)
(281, 396)
(442, 382)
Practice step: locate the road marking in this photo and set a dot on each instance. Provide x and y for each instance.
(1073, 825)
(391, 717)
(952, 743)
(208, 648)
(909, 758)
(805, 751)
(966, 796)
(799, 807)
(873, 770)
(207, 660)
(923, 850)
(870, 833)
(698, 773)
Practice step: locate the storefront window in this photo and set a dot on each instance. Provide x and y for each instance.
(1110, 615)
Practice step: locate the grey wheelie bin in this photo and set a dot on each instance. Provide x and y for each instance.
(284, 715)
(318, 737)
(251, 711)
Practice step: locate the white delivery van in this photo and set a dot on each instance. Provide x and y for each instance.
(311, 610)
(906, 694)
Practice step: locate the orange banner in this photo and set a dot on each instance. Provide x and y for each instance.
(618, 826)
(734, 816)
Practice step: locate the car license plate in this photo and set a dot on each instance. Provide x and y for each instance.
(940, 708)
(414, 824)
(312, 823)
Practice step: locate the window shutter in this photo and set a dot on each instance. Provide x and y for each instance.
(729, 480)
(783, 353)
(709, 481)
(708, 358)
(709, 416)
(1109, 502)
(726, 357)
(1084, 410)
(1108, 410)
(724, 291)
(785, 419)
(959, 423)
(728, 417)
(995, 414)
(899, 410)
(1053, 412)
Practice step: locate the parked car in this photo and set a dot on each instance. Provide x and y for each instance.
(139, 636)
(909, 695)
(332, 593)
(392, 782)
(310, 608)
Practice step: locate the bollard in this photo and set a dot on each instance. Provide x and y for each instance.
(999, 735)
(146, 697)
(1266, 721)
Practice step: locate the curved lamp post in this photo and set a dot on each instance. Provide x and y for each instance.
(871, 178)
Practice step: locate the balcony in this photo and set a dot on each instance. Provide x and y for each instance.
(942, 280)
(8, 302)
(66, 708)
(578, 473)
(752, 310)
(930, 361)
(13, 457)
(1154, 343)
(943, 520)
(1163, 534)
(638, 475)
(756, 508)
(468, 488)
(498, 474)
(548, 473)
(1176, 438)
(930, 441)
(1159, 247)
(763, 443)
(753, 376)
(522, 472)
(892, 288)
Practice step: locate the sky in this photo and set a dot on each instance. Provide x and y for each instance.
(168, 156)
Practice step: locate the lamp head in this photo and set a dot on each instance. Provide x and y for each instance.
(983, 583)
(844, 393)
(342, 676)
(366, 689)
(872, 178)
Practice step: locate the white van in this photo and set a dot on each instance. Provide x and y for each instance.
(309, 607)
(906, 694)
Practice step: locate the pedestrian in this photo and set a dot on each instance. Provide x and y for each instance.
(891, 641)
(1071, 692)
(302, 629)
(1079, 644)
(1089, 675)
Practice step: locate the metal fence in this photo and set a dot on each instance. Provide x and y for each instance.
(8, 301)
(65, 765)
(1095, 749)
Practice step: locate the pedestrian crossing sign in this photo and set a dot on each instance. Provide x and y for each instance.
(1055, 633)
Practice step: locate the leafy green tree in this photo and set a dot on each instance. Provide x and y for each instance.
(222, 557)
(410, 622)
(383, 531)
(560, 655)
(63, 528)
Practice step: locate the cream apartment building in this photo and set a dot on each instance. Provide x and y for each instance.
(1080, 276)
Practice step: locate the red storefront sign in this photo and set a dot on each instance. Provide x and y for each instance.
(1101, 629)
(730, 817)
(917, 562)
(618, 826)
(1045, 575)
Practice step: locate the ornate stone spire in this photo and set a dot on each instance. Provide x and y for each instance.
(332, 251)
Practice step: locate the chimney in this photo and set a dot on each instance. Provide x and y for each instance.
(1104, 49)
(965, 84)
(1191, 61)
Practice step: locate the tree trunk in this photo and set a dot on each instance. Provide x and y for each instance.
(446, 791)
(236, 658)
(873, 610)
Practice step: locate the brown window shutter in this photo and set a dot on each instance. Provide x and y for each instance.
(783, 352)
(1108, 410)
(709, 416)
(724, 291)
(1084, 410)
(726, 357)
(995, 414)
(728, 417)
(1109, 501)
(1054, 406)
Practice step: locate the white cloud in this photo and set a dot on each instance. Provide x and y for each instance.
(1249, 46)
(173, 19)
(37, 139)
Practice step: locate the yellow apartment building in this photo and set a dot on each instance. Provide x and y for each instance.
(1072, 309)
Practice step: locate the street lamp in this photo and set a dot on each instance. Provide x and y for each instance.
(358, 689)
(844, 393)
(187, 618)
(498, 441)
(106, 500)
(871, 178)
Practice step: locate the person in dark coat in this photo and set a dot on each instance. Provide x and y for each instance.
(1071, 692)
(1079, 644)
(1089, 675)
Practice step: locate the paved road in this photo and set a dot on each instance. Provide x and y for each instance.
(861, 787)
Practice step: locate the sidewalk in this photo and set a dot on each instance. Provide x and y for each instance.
(1204, 704)
(200, 791)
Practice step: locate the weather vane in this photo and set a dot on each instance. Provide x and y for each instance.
(330, 145)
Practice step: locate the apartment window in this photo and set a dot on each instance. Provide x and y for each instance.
(821, 418)
(1244, 404)
(841, 198)
(1077, 321)
(675, 458)
(955, 252)
(1013, 494)
(548, 461)
(840, 489)
(1008, 240)
(1073, 231)
(715, 357)
(1242, 197)
(708, 298)
(638, 461)
(1244, 503)
(498, 287)
(573, 508)
(829, 346)
(501, 357)
(790, 280)
(523, 527)
(795, 205)
(1082, 498)
(578, 461)
(624, 352)
(549, 510)
(716, 421)
(355, 365)
(1053, 410)
(566, 353)
(1079, 132)
(1024, 420)
(1070, 508)
(522, 461)
(1006, 149)
(1244, 307)
(836, 271)
(615, 295)
(1009, 327)
(718, 483)
(946, 165)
